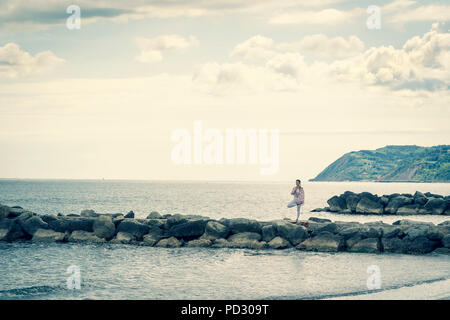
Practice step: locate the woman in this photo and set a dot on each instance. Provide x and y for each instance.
(299, 197)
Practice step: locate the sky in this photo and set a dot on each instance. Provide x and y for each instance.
(105, 99)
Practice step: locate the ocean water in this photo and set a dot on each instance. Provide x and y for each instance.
(39, 271)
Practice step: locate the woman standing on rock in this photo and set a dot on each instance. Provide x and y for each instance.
(299, 197)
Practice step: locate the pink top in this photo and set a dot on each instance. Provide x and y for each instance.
(299, 195)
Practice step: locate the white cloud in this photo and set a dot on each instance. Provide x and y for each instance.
(15, 62)
(152, 49)
(322, 17)
(325, 47)
(422, 13)
(256, 48)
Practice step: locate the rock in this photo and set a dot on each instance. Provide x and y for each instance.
(393, 245)
(11, 230)
(174, 220)
(337, 204)
(104, 227)
(123, 237)
(32, 224)
(407, 222)
(237, 225)
(154, 215)
(320, 220)
(129, 215)
(445, 251)
(324, 242)
(135, 228)
(278, 243)
(446, 241)
(268, 232)
(245, 236)
(291, 232)
(73, 215)
(247, 243)
(221, 243)
(4, 212)
(435, 206)
(117, 220)
(351, 200)
(160, 223)
(396, 202)
(84, 236)
(188, 230)
(70, 224)
(329, 227)
(89, 213)
(150, 240)
(171, 242)
(368, 245)
(48, 218)
(47, 235)
(419, 198)
(384, 200)
(410, 209)
(15, 211)
(369, 204)
(431, 195)
(202, 243)
(215, 229)
(419, 245)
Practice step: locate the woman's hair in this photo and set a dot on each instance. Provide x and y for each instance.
(298, 180)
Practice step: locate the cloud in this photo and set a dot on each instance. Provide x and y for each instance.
(422, 13)
(16, 63)
(322, 17)
(325, 47)
(152, 49)
(259, 64)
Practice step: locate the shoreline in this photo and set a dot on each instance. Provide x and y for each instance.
(173, 231)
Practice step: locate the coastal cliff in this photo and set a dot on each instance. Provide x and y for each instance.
(173, 231)
(391, 163)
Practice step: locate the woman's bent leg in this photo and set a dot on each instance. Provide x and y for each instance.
(292, 204)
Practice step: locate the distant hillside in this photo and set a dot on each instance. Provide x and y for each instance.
(391, 163)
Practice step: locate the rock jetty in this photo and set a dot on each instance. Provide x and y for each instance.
(393, 204)
(172, 231)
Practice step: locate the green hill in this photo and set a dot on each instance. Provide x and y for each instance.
(391, 163)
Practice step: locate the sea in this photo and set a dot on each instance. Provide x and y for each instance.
(116, 271)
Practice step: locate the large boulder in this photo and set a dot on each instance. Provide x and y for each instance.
(201, 243)
(10, 230)
(446, 241)
(129, 215)
(4, 212)
(70, 224)
(368, 245)
(245, 236)
(32, 224)
(295, 234)
(268, 232)
(237, 225)
(171, 242)
(278, 243)
(324, 242)
(369, 204)
(337, 204)
(216, 229)
(188, 230)
(408, 210)
(89, 213)
(154, 215)
(84, 236)
(104, 227)
(419, 198)
(134, 228)
(47, 235)
(435, 206)
(174, 220)
(351, 200)
(15, 211)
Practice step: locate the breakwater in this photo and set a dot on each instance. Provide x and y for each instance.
(323, 235)
(393, 204)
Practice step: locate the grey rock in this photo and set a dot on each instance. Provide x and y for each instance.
(337, 203)
(150, 240)
(188, 230)
(11, 230)
(175, 219)
(160, 223)
(47, 235)
(15, 211)
(32, 224)
(123, 237)
(397, 202)
(268, 232)
(436, 206)
(171, 242)
(245, 236)
(154, 215)
(446, 241)
(216, 229)
(84, 236)
(135, 228)
(104, 227)
(70, 224)
(419, 198)
(89, 213)
(368, 245)
(408, 210)
(237, 225)
(320, 220)
(295, 234)
(129, 215)
(278, 243)
(202, 243)
(4, 212)
(369, 204)
(445, 251)
(324, 242)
